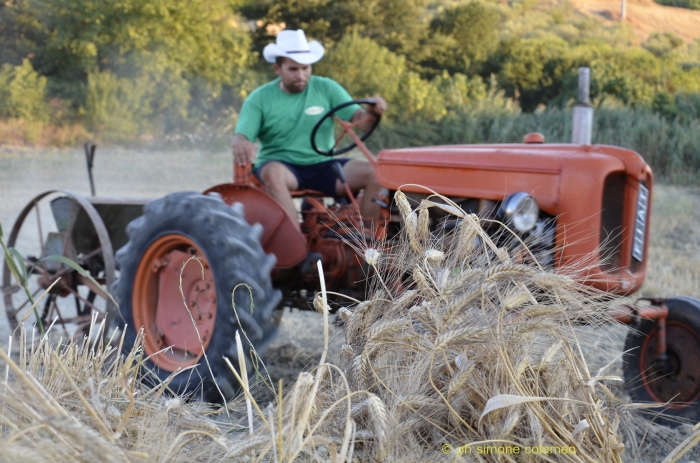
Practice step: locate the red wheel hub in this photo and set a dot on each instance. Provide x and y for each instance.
(681, 383)
(158, 306)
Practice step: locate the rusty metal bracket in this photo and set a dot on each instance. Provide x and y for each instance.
(634, 315)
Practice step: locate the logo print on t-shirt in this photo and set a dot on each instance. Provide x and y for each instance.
(314, 110)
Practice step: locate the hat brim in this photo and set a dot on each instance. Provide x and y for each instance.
(271, 52)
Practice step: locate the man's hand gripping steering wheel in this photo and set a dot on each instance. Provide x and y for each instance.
(366, 120)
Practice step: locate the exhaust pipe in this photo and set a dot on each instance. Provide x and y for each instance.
(583, 111)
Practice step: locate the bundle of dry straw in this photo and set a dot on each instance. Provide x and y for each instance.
(463, 352)
(80, 402)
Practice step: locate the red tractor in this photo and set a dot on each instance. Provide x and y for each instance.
(567, 201)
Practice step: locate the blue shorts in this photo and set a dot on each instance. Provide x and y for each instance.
(319, 176)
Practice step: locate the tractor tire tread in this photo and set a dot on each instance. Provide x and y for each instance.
(235, 255)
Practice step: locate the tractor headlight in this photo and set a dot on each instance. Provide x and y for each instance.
(521, 210)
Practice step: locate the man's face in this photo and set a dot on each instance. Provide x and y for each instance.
(294, 76)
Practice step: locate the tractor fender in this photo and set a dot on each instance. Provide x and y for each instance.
(280, 236)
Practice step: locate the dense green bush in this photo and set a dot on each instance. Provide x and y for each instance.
(115, 106)
(22, 92)
(461, 36)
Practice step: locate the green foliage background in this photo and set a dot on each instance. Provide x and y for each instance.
(453, 71)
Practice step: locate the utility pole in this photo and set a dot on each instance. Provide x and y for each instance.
(623, 10)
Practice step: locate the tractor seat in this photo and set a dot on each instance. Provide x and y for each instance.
(295, 194)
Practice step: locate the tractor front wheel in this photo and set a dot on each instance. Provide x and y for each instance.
(185, 310)
(676, 380)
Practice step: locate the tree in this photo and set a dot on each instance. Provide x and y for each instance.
(533, 69)
(70, 38)
(398, 25)
(128, 64)
(461, 36)
(363, 67)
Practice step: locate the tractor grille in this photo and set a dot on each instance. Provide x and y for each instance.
(611, 232)
(640, 228)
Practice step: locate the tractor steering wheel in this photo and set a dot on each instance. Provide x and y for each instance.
(347, 128)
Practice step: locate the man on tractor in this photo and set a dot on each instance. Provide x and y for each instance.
(282, 114)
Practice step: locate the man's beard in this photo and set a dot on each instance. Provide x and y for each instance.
(297, 87)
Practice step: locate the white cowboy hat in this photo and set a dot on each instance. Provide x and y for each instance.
(293, 45)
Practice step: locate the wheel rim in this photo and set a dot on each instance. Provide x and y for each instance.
(157, 303)
(682, 384)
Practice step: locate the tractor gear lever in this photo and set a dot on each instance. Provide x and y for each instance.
(338, 169)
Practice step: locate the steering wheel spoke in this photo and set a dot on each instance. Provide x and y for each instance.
(347, 127)
(362, 121)
(338, 140)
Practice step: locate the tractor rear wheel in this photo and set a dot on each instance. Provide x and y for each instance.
(171, 231)
(677, 381)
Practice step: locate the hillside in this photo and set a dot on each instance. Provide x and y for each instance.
(645, 17)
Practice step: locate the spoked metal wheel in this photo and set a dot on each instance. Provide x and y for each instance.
(60, 223)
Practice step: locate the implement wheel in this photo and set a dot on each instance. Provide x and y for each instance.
(676, 382)
(93, 253)
(171, 231)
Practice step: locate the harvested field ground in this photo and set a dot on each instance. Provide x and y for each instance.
(674, 251)
(645, 17)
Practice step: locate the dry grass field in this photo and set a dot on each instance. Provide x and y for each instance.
(645, 17)
(674, 254)
(81, 420)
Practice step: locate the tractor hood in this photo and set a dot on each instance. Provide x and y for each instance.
(495, 171)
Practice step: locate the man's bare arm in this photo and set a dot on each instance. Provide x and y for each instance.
(243, 150)
(372, 110)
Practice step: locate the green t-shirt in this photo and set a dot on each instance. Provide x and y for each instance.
(283, 121)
